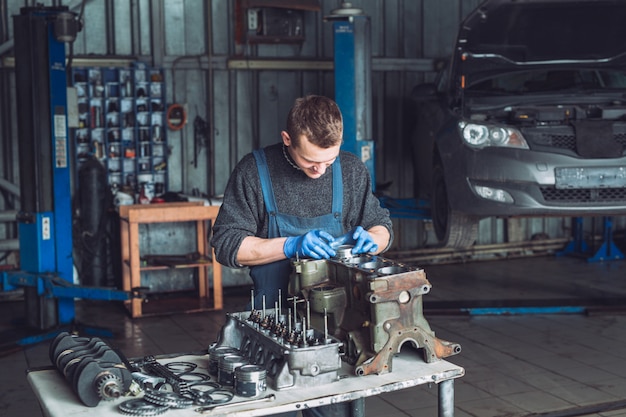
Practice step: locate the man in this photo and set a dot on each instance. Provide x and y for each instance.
(299, 198)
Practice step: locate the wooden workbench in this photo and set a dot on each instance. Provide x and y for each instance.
(131, 216)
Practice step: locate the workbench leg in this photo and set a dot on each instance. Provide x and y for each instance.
(446, 398)
(135, 268)
(218, 292)
(201, 244)
(357, 407)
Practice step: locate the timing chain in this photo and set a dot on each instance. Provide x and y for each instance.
(178, 384)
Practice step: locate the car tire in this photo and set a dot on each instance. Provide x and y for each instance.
(452, 228)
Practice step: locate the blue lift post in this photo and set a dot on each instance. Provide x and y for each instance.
(353, 82)
(607, 251)
(353, 94)
(45, 218)
(406, 208)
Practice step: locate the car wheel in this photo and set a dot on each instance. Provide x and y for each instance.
(452, 228)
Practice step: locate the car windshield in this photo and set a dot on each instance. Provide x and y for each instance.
(542, 81)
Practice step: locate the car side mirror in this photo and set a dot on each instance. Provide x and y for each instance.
(424, 91)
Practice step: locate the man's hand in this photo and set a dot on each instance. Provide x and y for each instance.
(314, 244)
(361, 240)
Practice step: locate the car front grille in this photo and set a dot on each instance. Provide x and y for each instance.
(583, 195)
(565, 141)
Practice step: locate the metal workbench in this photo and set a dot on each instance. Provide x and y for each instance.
(409, 370)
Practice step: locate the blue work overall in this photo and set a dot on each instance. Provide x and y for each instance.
(269, 278)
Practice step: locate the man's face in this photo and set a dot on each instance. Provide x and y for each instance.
(311, 159)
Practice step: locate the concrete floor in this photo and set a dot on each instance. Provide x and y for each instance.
(534, 364)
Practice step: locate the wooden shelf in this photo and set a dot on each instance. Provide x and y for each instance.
(177, 266)
(133, 215)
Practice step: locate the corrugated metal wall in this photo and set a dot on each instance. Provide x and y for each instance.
(218, 80)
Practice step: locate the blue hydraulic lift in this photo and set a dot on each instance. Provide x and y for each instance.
(353, 82)
(45, 216)
(353, 94)
(607, 251)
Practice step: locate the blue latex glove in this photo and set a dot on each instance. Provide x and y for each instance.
(360, 239)
(314, 244)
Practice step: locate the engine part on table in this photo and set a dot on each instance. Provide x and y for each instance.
(148, 381)
(141, 407)
(185, 371)
(181, 367)
(193, 377)
(226, 369)
(372, 304)
(201, 392)
(216, 353)
(202, 410)
(250, 380)
(168, 398)
(217, 397)
(292, 353)
(151, 366)
(92, 368)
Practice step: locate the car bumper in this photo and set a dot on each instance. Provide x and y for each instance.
(529, 178)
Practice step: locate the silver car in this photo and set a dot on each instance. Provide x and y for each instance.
(527, 118)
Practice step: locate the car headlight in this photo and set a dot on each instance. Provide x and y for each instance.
(481, 136)
(494, 194)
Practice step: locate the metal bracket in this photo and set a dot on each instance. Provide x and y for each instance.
(52, 286)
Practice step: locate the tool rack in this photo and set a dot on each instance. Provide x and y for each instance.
(121, 122)
(131, 216)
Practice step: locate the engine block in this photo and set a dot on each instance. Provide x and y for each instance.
(357, 309)
(372, 304)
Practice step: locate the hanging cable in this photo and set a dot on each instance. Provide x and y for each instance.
(70, 57)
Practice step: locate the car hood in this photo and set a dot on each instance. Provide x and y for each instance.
(501, 35)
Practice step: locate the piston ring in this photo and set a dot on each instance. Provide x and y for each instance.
(181, 367)
(221, 396)
(194, 377)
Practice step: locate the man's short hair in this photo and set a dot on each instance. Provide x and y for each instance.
(318, 118)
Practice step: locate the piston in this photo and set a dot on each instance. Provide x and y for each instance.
(216, 354)
(372, 266)
(357, 260)
(392, 270)
(344, 251)
(250, 380)
(226, 369)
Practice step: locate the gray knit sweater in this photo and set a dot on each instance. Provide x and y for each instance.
(243, 210)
